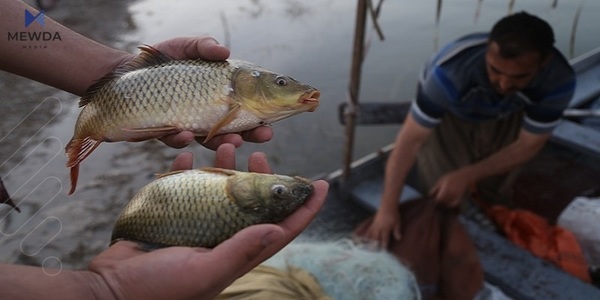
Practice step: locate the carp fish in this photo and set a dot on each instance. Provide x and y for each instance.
(154, 95)
(203, 207)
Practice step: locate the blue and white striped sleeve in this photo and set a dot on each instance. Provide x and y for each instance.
(433, 94)
(546, 115)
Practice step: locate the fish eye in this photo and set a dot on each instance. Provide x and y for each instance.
(278, 189)
(281, 81)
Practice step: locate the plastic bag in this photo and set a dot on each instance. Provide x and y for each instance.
(582, 218)
(534, 233)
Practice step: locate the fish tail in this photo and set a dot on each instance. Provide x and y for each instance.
(77, 150)
(5, 197)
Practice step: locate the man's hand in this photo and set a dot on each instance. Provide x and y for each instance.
(386, 225)
(125, 272)
(450, 189)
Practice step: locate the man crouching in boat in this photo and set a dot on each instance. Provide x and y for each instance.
(485, 105)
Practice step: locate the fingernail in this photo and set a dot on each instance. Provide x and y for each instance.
(214, 41)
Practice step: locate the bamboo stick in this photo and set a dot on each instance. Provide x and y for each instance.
(354, 89)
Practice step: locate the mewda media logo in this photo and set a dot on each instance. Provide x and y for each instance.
(33, 35)
(30, 18)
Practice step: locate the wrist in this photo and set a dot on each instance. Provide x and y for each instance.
(470, 174)
(389, 205)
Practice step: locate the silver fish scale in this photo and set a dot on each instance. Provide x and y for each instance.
(182, 209)
(191, 95)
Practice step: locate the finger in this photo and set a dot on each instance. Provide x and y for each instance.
(299, 220)
(371, 244)
(206, 48)
(225, 157)
(367, 235)
(245, 250)
(254, 244)
(183, 161)
(178, 140)
(435, 193)
(193, 47)
(258, 135)
(433, 189)
(397, 233)
(215, 142)
(257, 162)
(384, 239)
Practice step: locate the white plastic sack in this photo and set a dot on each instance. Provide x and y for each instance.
(582, 218)
(491, 292)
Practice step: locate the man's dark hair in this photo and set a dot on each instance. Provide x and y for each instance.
(521, 33)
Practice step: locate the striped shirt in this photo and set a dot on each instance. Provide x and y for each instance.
(456, 81)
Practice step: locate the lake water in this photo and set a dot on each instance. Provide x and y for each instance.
(310, 40)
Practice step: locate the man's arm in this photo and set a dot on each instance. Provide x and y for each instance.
(71, 64)
(387, 219)
(451, 187)
(75, 62)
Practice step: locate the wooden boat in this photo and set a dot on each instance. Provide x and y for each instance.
(567, 167)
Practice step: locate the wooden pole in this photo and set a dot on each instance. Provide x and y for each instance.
(355, 74)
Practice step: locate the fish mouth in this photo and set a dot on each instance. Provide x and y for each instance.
(311, 98)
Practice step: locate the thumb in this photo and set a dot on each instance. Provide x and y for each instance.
(240, 253)
(193, 47)
(434, 193)
(397, 232)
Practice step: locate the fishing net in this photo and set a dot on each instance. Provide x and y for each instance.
(341, 269)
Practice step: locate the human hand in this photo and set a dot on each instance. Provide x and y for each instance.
(450, 189)
(209, 49)
(385, 225)
(126, 272)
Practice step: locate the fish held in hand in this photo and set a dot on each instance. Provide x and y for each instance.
(203, 207)
(153, 96)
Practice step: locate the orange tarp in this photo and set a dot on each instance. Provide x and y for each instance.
(535, 234)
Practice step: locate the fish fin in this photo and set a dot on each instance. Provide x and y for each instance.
(77, 150)
(229, 117)
(5, 197)
(141, 245)
(227, 172)
(149, 56)
(151, 132)
(74, 174)
(204, 169)
(161, 175)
